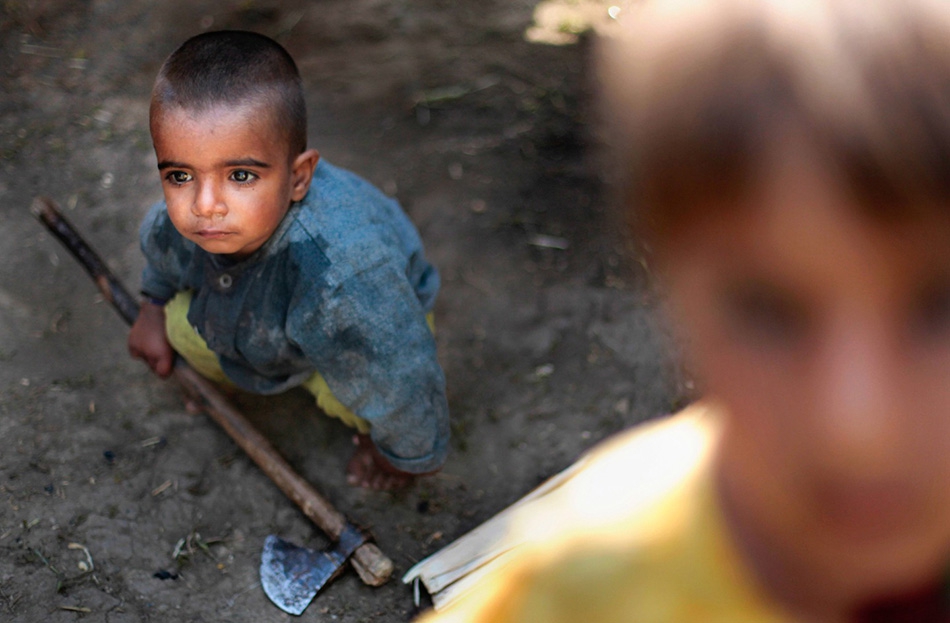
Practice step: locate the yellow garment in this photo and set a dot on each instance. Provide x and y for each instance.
(635, 536)
(317, 386)
(192, 347)
(187, 343)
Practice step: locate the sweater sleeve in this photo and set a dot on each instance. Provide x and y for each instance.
(167, 254)
(369, 339)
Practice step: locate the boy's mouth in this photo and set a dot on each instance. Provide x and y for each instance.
(213, 234)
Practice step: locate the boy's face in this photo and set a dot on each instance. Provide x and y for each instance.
(826, 336)
(227, 175)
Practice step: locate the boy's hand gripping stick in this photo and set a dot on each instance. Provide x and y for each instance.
(291, 575)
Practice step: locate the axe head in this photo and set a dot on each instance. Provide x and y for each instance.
(292, 575)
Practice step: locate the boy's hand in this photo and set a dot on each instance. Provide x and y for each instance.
(147, 340)
(369, 469)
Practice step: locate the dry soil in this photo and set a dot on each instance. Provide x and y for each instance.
(115, 503)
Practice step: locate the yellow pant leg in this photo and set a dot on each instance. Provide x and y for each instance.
(193, 349)
(329, 404)
(317, 386)
(188, 343)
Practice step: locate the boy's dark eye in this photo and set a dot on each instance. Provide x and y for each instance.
(242, 177)
(761, 314)
(179, 177)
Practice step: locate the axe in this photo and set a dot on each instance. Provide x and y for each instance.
(290, 575)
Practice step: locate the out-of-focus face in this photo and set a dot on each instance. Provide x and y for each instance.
(826, 336)
(227, 175)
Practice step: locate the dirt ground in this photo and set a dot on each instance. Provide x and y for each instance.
(546, 332)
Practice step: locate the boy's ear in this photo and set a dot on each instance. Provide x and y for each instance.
(302, 172)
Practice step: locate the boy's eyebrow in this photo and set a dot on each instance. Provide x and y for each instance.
(247, 162)
(171, 164)
(240, 162)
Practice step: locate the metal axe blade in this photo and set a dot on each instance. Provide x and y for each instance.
(292, 575)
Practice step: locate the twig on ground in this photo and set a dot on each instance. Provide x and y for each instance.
(161, 488)
(188, 545)
(76, 609)
(87, 565)
(229, 602)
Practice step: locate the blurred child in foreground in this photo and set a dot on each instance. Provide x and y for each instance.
(788, 164)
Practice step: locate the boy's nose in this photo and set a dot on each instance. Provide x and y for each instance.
(208, 202)
(856, 407)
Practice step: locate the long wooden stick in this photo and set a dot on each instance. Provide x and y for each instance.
(373, 567)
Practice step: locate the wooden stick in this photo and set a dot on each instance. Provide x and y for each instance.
(373, 567)
(451, 571)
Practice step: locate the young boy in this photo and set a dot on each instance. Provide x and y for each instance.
(789, 164)
(268, 268)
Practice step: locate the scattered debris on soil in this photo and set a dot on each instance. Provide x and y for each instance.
(546, 331)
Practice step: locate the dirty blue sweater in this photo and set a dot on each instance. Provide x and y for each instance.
(342, 287)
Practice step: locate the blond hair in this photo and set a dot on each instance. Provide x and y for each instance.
(697, 92)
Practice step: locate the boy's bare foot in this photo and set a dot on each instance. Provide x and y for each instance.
(368, 469)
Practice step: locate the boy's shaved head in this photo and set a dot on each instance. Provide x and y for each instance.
(700, 91)
(235, 68)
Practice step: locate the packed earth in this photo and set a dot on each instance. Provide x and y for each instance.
(119, 505)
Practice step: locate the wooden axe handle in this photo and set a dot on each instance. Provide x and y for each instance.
(373, 567)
